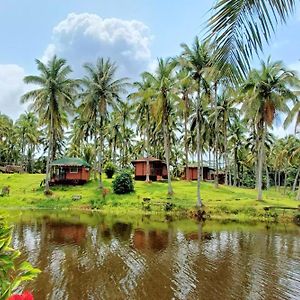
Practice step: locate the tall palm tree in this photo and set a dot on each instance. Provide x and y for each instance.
(163, 83)
(143, 99)
(101, 90)
(267, 91)
(185, 87)
(52, 101)
(239, 28)
(198, 60)
(124, 116)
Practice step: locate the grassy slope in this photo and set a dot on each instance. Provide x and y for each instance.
(224, 203)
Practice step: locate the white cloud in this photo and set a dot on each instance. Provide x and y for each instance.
(295, 67)
(84, 37)
(11, 90)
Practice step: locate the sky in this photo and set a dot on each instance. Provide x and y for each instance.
(134, 33)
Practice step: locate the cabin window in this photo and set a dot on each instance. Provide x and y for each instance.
(73, 169)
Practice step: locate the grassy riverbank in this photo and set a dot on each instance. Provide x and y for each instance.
(224, 203)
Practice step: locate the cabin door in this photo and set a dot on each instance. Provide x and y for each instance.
(62, 173)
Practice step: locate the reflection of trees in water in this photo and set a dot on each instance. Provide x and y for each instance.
(122, 230)
(81, 261)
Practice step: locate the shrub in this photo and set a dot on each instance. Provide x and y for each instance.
(123, 183)
(98, 203)
(169, 206)
(109, 169)
(12, 272)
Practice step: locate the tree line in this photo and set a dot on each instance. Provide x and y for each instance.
(187, 110)
(207, 102)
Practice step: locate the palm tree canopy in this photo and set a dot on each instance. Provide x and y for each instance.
(267, 91)
(101, 89)
(240, 27)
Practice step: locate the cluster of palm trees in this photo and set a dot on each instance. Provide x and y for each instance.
(204, 103)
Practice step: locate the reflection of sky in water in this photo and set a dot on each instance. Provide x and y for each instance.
(185, 278)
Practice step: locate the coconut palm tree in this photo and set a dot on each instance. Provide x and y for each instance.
(163, 84)
(185, 87)
(124, 117)
(239, 28)
(267, 91)
(197, 61)
(143, 99)
(101, 91)
(52, 101)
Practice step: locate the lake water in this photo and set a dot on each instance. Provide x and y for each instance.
(91, 256)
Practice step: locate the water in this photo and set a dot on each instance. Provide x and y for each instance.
(90, 256)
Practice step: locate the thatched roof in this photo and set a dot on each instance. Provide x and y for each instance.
(70, 161)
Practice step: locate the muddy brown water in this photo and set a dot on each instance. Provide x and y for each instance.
(91, 256)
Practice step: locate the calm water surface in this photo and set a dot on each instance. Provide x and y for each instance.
(90, 256)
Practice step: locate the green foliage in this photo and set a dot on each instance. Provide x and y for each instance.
(109, 169)
(123, 183)
(98, 203)
(12, 272)
(169, 206)
(239, 28)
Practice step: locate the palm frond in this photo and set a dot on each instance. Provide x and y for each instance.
(239, 29)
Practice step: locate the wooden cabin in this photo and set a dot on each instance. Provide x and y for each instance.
(207, 172)
(69, 171)
(158, 168)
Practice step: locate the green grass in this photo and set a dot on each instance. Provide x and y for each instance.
(227, 203)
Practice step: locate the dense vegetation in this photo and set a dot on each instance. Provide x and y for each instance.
(205, 105)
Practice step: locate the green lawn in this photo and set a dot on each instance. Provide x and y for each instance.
(222, 203)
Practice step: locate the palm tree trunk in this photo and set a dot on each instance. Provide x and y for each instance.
(225, 153)
(235, 168)
(199, 201)
(296, 180)
(202, 169)
(50, 154)
(216, 136)
(268, 178)
(186, 146)
(285, 181)
(167, 145)
(298, 193)
(263, 130)
(148, 151)
(115, 151)
(229, 173)
(101, 156)
(96, 156)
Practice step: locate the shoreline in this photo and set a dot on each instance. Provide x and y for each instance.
(225, 203)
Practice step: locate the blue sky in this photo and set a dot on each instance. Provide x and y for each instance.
(132, 32)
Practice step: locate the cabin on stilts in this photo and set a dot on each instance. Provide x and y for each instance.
(158, 168)
(69, 171)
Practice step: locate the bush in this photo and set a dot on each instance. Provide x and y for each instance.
(123, 183)
(169, 206)
(109, 169)
(13, 272)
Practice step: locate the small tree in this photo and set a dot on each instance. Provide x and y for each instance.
(109, 169)
(123, 183)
